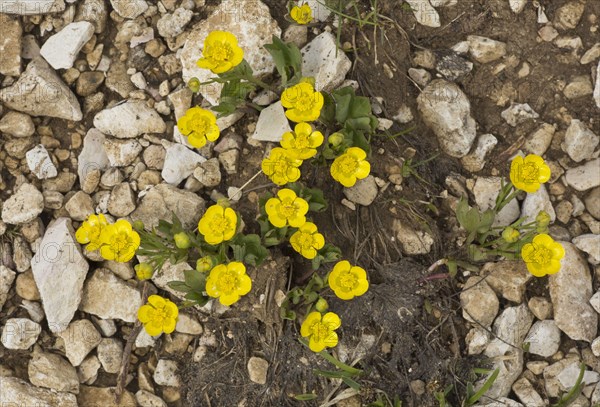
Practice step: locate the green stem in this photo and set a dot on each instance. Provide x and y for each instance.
(260, 83)
(335, 361)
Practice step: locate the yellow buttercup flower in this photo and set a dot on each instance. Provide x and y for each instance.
(307, 240)
(301, 14)
(350, 166)
(280, 167)
(348, 281)
(218, 224)
(158, 315)
(221, 52)
(228, 282)
(90, 230)
(542, 256)
(320, 330)
(304, 104)
(302, 143)
(286, 209)
(528, 173)
(119, 241)
(198, 125)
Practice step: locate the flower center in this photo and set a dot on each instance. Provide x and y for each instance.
(541, 256)
(529, 172)
(287, 208)
(348, 281)
(200, 124)
(348, 165)
(120, 242)
(227, 282)
(159, 314)
(302, 141)
(220, 51)
(304, 103)
(281, 166)
(95, 231)
(219, 224)
(305, 240)
(320, 331)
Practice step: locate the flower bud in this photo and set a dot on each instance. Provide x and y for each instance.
(138, 225)
(321, 305)
(143, 271)
(194, 84)
(511, 235)
(335, 139)
(182, 240)
(542, 219)
(205, 264)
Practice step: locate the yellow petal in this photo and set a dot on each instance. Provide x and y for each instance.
(309, 227)
(536, 269)
(544, 173)
(316, 346)
(157, 301)
(363, 170)
(303, 128)
(311, 319)
(357, 153)
(237, 268)
(331, 340)
(343, 294)
(301, 206)
(316, 139)
(318, 241)
(346, 180)
(197, 140)
(171, 309)
(169, 325)
(332, 320)
(362, 287)
(152, 328)
(107, 253)
(534, 159)
(296, 221)
(228, 299)
(294, 115)
(558, 251)
(245, 285)
(277, 220)
(286, 193)
(81, 235)
(144, 314)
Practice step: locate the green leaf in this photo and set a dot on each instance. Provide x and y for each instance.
(328, 110)
(360, 107)
(342, 108)
(179, 286)
(351, 383)
(472, 220)
(287, 58)
(305, 397)
(195, 279)
(359, 140)
(198, 298)
(452, 268)
(239, 251)
(487, 219)
(486, 386)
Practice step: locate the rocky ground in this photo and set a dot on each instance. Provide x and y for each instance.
(90, 93)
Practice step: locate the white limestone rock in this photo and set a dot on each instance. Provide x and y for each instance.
(536, 202)
(40, 163)
(485, 50)
(543, 338)
(425, 13)
(590, 244)
(93, 156)
(61, 49)
(250, 21)
(130, 119)
(59, 270)
(108, 297)
(322, 60)
(7, 277)
(580, 142)
(272, 124)
(129, 8)
(80, 338)
(585, 176)
(39, 91)
(31, 7)
(20, 333)
(570, 291)
(447, 111)
(23, 206)
(17, 392)
(180, 163)
(53, 372)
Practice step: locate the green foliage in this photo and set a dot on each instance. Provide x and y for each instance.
(158, 246)
(473, 396)
(249, 249)
(193, 286)
(288, 61)
(344, 110)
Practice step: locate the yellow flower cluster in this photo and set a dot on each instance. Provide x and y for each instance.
(198, 125)
(542, 256)
(286, 209)
(320, 329)
(529, 173)
(158, 315)
(348, 281)
(350, 167)
(117, 241)
(303, 102)
(221, 52)
(218, 224)
(301, 14)
(228, 282)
